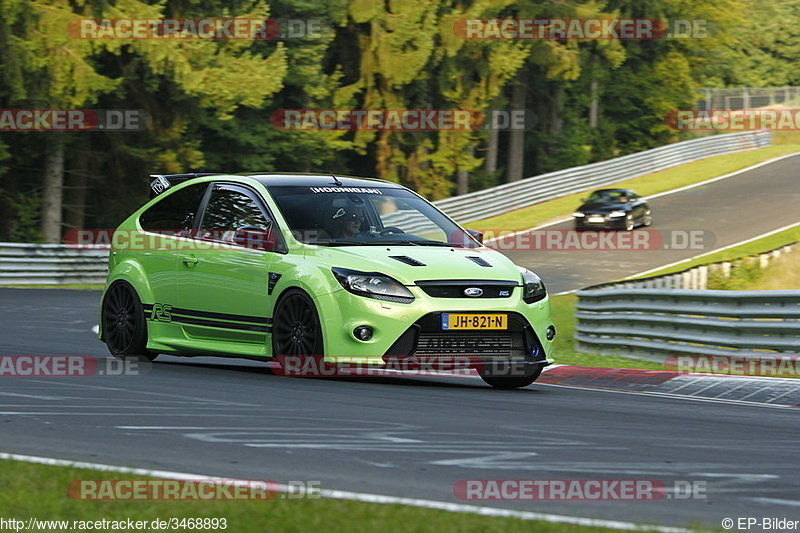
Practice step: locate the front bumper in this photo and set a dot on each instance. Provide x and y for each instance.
(606, 223)
(402, 331)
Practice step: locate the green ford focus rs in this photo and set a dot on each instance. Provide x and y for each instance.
(350, 271)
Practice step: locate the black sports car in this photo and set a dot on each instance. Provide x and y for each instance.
(613, 209)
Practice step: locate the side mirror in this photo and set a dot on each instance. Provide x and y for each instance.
(464, 238)
(477, 235)
(255, 238)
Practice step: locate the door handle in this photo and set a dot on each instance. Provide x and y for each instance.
(189, 260)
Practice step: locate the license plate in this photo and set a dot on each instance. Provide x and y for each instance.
(596, 219)
(474, 321)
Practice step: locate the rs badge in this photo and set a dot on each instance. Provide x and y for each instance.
(162, 313)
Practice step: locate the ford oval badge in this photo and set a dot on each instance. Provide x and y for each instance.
(473, 292)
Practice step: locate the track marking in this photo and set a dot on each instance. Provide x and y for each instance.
(500, 460)
(362, 497)
(34, 397)
(776, 501)
(158, 396)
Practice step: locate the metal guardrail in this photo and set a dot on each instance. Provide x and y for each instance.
(51, 264)
(659, 322)
(736, 98)
(510, 196)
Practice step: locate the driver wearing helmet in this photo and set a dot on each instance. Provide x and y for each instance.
(347, 223)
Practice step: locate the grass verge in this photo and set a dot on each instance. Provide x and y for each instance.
(782, 273)
(40, 491)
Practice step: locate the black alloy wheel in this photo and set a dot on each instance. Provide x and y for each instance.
(124, 327)
(296, 329)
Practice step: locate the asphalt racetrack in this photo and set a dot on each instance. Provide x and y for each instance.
(409, 437)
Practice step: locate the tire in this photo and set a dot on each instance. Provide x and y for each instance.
(647, 219)
(124, 326)
(629, 222)
(296, 329)
(499, 378)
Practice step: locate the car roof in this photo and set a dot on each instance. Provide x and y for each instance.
(314, 180)
(615, 190)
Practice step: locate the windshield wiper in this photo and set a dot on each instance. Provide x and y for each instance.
(431, 243)
(339, 243)
(407, 242)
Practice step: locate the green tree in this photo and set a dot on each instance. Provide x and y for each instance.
(173, 80)
(762, 46)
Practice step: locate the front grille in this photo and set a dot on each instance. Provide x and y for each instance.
(426, 340)
(462, 343)
(456, 288)
(393, 299)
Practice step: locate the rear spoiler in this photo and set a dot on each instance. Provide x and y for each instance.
(162, 182)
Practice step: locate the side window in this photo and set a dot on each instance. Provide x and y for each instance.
(229, 213)
(175, 212)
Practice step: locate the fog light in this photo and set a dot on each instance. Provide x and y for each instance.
(551, 332)
(363, 333)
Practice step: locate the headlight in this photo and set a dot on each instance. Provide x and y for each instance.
(578, 214)
(615, 214)
(373, 285)
(533, 288)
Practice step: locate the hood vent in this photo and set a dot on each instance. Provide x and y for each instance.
(479, 260)
(408, 260)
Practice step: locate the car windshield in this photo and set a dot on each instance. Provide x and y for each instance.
(608, 197)
(363, 216)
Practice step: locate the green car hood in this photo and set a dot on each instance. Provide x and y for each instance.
(408, 264)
